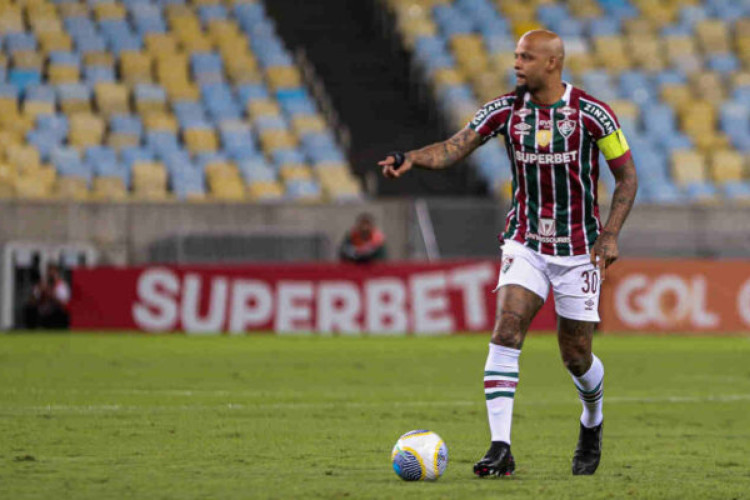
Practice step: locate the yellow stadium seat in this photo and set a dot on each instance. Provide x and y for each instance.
(24, 158)
(487, 84)
(625, 110)
(680, 48)
(160, 121)
(713, 36)
(305, 124)
(242, 68)
(502, 61)
(677, 95)
(740, 79)
(710, 141)
(28, 59)
(224, 182)
(727, 166)
(72, 9)
(447, 76)
(98, 59)
(109, 189)
(272, 140)
(86, 130)
(31, 187)
(200, 140)
(265, 191)
(172, 67)
(36, 108)
(220, 30)
(73, 106)
(112, 98)
(578, 64)
(280, 77)
(54, 41)
(639, 26)
(688, 167)
(585, 8)
(611, 53)
(149, 181)
(160, 44)
(11, 19)
(8, 178)
(658, 13)
(8, 109)
(72, 188)
(699, 116)
(121, 141)
(18, 125)
(104, 11)
(135, 67)
(295, 171)
(709, 86)
(60, 73)
(646, 52)
(263, 107)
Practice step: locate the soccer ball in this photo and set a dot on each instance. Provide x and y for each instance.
(419, 455)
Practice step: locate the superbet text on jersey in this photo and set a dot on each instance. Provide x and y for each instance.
(554, 153)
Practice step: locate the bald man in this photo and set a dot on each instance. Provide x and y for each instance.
(553, 133)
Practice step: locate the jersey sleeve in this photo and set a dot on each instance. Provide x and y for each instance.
(490, 119)
(603, 125)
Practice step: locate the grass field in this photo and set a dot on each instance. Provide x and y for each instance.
(130, 416)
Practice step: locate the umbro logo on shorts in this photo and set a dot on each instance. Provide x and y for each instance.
(507, 262)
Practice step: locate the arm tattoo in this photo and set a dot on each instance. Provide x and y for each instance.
(446, 153)
(623, 197)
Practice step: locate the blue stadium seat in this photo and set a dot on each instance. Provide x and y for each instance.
(132, 155)
(250, 91)
(57, 125)
(126, 124)
(98, 74)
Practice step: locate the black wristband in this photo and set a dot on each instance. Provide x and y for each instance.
(399, 158)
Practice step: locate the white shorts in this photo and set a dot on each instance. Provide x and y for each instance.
(575, 281)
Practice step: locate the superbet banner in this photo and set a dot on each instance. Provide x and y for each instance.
(690, 296)
(421, 298)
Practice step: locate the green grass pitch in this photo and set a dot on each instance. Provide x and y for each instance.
(135, 416)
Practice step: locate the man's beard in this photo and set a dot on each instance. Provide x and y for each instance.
(521, 90)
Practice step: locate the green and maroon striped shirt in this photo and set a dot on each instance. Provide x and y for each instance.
(554, 156)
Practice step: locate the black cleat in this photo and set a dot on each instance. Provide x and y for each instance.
(588, 452)
(498, 461)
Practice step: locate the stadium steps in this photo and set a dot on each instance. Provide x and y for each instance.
(369, 85)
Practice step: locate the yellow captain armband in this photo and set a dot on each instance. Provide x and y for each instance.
(614, 145)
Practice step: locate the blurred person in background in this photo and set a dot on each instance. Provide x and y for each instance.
(364, 242)
(48, 305)
(553, 133)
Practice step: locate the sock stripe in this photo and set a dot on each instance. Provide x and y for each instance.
(501, 374)
(489, 384)
(501, 394)
(592, 391)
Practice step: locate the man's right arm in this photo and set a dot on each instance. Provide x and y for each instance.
(435, 156)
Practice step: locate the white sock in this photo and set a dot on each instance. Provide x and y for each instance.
(590, 387)
(500, 381)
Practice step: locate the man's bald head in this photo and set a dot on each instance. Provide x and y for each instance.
(546, 42)
(539, 60)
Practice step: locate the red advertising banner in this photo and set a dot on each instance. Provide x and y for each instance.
(643, 295)
(422, 298)
(699, 296)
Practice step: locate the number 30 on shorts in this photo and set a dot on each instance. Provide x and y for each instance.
(590, 281)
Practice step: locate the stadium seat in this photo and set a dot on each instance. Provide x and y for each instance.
(688, 167)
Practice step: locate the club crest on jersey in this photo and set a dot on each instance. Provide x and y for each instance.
(543, 138)
(547, 227)
(566, 127)
(507, 262)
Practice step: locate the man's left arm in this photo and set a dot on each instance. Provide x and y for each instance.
(626, 186)
(617, 153)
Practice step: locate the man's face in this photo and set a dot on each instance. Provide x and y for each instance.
(365, 227)
(530, 65)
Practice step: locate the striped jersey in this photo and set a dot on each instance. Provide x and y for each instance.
(554, 156)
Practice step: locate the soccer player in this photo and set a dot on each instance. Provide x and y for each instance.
(553, 134)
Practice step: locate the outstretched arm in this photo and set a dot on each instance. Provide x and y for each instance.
(435, 156)
(626, 187)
